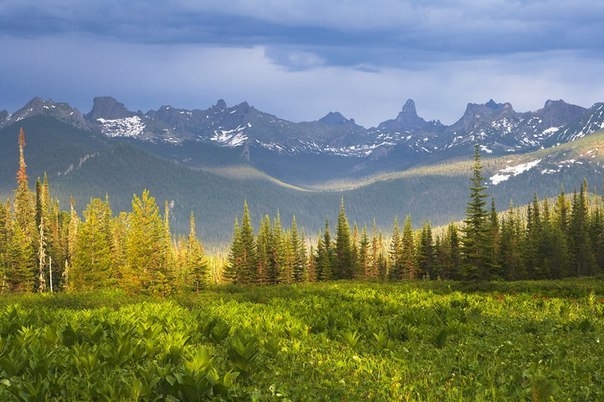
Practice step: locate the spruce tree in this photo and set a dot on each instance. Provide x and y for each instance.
(242, 257)
(231, 270)
(408, 256)
(508, 256)
(476, 258)
(325, 256)
(584, 261)
(395, 253)
(20, 265)
(344, 264)
(195, 264)
(426, 254)
(263, 250)
(277, 256)
(5, 238)
(92, 262)
(299, 272)
(147, 267)
(364, 262)
(24, 215)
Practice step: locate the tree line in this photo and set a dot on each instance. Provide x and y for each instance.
(44, 248)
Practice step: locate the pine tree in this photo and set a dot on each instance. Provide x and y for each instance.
(476, 258)
(44, 222)
(299, 271)
(146, 257)
(72, 234)
(426, 254)
(325, 256)
(24, 199)
(195, 264)
(395, 253)
(408, 256)
(263, 250)
(20, 263)
(231, 271)
(344, 264)
(509, 250)
(242, 257)
(24, 216)
(92, 262)
(584, 262)
(5, 239)
(448, 252)
(378, 260)
(364, 262)
(277, 258)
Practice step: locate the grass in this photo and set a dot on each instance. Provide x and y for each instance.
(329, 341)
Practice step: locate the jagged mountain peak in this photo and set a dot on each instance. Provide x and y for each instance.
(220, 105)
(554, 103)
(107, 107)
(477, 114)
(335, 119)
(408, 120)
(59, 110)
(243, 107)
(409, 107)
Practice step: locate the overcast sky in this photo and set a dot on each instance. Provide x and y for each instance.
(299, 59)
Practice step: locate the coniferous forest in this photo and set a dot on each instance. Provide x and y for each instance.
(98, 305)
(46, 248)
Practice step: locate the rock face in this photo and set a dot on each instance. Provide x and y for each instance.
(497, 127)
(335, 119)
(38, 106)
(408, 121)
(106, 107)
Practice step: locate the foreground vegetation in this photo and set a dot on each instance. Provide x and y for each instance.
(330, 341)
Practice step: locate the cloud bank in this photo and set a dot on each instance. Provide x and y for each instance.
(300, 59)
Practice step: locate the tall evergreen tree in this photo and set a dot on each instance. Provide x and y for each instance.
(263, 251)
(395, 252)
(24, 199)
(242, 258)
(364, 262)
(146, 257)
(476, 256)
(24, 216)
(92, 263)
(5, 239)
(426, 254)
(276, 246)
(344, 264)
(299, 272)
(20, 262)
(231, 270)
(195, 265)
(408, 256)
(584, 262)
(325, 257)
(509, 250)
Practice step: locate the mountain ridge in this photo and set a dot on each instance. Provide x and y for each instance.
(337, 146)
(85, 164)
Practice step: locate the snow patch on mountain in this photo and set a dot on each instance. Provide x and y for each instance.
(511, 171)
(126, 127)
(550, 131)
(231, 138)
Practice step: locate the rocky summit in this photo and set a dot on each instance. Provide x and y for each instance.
(270, 142)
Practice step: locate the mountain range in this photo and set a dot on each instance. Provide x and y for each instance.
(243, 153)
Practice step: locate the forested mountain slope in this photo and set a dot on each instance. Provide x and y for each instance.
(84, 164)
